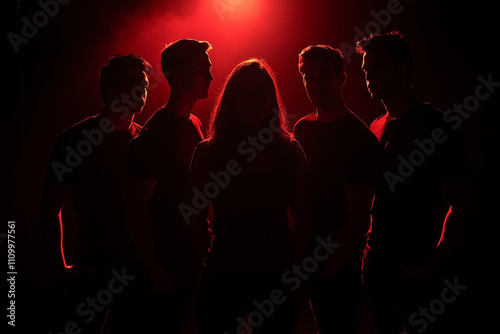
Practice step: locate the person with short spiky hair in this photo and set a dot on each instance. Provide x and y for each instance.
(158, 168)
(343, 158)
(87, 164)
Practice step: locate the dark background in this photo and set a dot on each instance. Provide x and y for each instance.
(53, 82)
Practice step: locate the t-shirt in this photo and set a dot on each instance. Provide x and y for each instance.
(339, 153)
(163, 152)
(421, 151)
(91, 158)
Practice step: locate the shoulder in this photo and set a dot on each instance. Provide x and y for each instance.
(305, 121)
(430, 118)
(195, 120)
(80, 126)
(201, 152)
(377, 127)
(425, 112)
(359, 140)
(426, 107)
(203, 146)
(75, 132)
(361, 130)
(293, 150)
(379, 121)
(153, 127)
(136, 129)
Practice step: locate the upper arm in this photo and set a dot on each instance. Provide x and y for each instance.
(197, 180)
(58, 178)
(54, 197)
(300, 177)
(359, 199)
(453, 172)
(143, 171)
(197, 167)
(457, 194)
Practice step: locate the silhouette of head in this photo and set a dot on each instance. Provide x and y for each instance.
(186, 66)
(387, 63)
(322, 68)
(249, 99)
(124, 81)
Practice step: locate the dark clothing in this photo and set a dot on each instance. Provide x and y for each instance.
(421, 152)
(92, 163)
(252, 245)
(163, 152)
(226, 296)
(141, 309)
(339, 153)
(335, 302)
(90, 158)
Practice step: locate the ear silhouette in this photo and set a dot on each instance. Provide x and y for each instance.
(175, 77)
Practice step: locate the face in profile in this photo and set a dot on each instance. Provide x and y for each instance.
(381, 74)
(197, 77)
(321, 81)
(252, 95)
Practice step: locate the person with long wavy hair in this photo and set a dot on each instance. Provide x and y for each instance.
(253, 173)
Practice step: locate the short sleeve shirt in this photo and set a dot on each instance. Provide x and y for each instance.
(339, 153)
(91, 158)
(163, 152)
(421, 151)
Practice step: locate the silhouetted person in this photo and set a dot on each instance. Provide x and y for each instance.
(158, 169)
(422, 204)
(344, 159)
(252, 172)
(87, 164)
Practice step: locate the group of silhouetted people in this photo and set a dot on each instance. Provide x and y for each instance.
(169, 220)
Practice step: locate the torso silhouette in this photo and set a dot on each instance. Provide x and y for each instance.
(421, 151)
(163, 152)
(251, 230)
(96, 188)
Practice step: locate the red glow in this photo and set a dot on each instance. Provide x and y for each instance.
(237, 30)
(275, 31)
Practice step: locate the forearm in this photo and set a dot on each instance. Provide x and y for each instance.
(198, 228)
(52, 240)
(453, 233)
(141, 233)
(350, 239)
(51, 227)
(300, 235)
(351, 236)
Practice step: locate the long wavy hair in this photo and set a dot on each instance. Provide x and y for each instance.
(225, 126)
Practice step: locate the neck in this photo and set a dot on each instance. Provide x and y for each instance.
(180, 104)
(332, 112)
(119, 122)
(400, 104)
